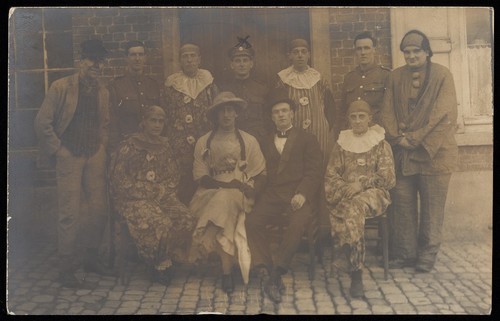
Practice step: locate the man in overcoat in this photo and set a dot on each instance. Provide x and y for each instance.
(72, 127)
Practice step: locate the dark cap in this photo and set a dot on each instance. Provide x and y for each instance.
(134, 43)
(93, 49)
(276, 96)
(242, 48)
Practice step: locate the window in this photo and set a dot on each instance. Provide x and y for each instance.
(479, 56)
(41, 51)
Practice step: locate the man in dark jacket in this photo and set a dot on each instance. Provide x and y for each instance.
(294, 165)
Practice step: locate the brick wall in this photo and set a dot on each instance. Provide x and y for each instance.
(345, 24)
(475, 158)
(115, 27)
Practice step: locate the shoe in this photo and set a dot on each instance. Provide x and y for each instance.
(281, 286)
(401, 263)
(228, 283)
(97, 267)
(162, 276)
(357, 290)
(69, 280)
(273, 292)
(422, 268)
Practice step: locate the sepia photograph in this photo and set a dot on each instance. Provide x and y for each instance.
(250, 160)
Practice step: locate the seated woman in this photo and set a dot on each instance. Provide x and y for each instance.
(143, 181)
(359, 175)
(229, 168)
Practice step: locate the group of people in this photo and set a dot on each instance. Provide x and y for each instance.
(196, 168)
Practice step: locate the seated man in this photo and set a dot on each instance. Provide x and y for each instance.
(359, 175)
(294, 168)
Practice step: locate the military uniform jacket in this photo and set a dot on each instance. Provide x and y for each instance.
(129, 94)
(368, 85)
(254, 93)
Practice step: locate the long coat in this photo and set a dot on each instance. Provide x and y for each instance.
(298, 169)
(430, 126)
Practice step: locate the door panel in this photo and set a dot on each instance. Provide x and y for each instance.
(216, 30)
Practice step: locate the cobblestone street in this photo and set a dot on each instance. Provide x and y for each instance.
(460, 283)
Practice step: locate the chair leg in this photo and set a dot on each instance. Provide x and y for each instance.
(385, 245)
(311, 241)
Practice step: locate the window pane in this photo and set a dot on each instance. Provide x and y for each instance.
(59, 50)
(57, 19)
(21, 130)
(478, 26)
(31, 90)
(29, 51)
(27, 20)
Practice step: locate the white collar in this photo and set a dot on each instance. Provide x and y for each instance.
(190, 86)
(361, 144)
(300, 79)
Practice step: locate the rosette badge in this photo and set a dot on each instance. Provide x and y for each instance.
(191, 140)
(150, 176)
(304, 101)
(306, 123)
(187, 99)
(189, 119)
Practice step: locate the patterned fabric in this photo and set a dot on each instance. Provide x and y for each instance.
(374, 169)
(144, 179)
(186, 121)
(310, 113)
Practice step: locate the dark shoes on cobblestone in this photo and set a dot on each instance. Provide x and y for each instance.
(97, 267)
(162, 276)
(357, 290)
(401, 263)
(228, 283)
(274, 287)
(69, 280)
(422, 268)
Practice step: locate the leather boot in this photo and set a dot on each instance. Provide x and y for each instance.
(67, 270)
(357, 290)
(92, 263)
(272, 287)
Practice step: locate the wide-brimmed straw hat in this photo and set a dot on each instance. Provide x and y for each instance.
(225, 98)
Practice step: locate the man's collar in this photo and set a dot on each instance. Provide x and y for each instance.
(283, 133)
(367, 67)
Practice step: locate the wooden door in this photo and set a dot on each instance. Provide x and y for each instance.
(216, 30)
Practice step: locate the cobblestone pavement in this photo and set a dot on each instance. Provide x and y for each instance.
(459, 284)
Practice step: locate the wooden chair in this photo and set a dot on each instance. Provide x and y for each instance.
(380, 225)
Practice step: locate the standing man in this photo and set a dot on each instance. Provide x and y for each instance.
(311, 93)
(131, 93)
(315, 112)
(367, 82)
(72, 126)
(420, 117)
(294, 170)
(188, 94)
(244, 86)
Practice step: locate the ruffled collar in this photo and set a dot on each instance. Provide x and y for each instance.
(190, 86)
(300, 80)
(361, 144)
(140, 142)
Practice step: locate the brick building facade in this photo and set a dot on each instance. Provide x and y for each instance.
(38, 42)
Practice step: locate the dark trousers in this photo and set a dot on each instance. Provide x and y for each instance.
(418, 235)
(269, 210)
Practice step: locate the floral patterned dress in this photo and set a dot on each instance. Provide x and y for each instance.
(367, 159)
(144, 178)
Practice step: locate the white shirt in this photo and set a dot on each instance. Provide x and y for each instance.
(280, 142)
